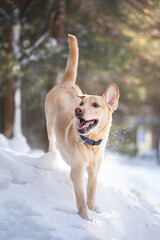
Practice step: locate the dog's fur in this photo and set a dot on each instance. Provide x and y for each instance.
(64, 128)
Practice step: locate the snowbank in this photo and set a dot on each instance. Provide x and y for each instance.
(37, 202)
(18, 144)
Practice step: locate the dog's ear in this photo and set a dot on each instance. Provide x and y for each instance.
(112, 96)
(78, 92)
(81, 96)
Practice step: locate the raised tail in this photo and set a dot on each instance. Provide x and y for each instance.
(72, 63)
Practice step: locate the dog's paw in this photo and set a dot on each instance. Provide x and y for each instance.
(97, 210)
(94, 209)
(84, 215)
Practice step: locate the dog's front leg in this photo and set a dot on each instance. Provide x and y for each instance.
(92, 187)
(77, 179)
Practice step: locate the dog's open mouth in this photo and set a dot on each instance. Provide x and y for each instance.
(84, 126)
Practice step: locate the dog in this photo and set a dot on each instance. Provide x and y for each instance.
(78, 126)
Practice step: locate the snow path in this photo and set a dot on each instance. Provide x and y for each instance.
(37, 202)
(137, 176)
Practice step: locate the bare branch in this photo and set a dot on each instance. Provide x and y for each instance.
(138, 6)
(42, 38)
(146, 2)
(48, 31)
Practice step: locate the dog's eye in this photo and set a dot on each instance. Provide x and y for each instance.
(96, 105)
(81, 104)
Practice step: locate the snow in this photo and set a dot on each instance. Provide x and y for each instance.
(37, 200)
(139, 176)
(53, 42)
(18, 143)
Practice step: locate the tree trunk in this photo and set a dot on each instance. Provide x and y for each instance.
(59, 21)
(17, 125)
(8, 108)
(8, 86)
(11, 103)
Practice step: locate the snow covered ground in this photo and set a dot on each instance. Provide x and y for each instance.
(37, 201)
(140, 177)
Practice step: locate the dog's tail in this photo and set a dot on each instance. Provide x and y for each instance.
(72, 63)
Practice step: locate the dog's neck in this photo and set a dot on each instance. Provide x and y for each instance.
(91, 142)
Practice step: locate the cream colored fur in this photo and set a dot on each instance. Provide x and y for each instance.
(63, 134)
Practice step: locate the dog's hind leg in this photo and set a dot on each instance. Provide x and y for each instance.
(51, 136)
(49, 113)
(52, 144)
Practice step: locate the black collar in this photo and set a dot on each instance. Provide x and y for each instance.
(90, 142)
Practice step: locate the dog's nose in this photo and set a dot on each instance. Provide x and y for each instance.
(79, 111)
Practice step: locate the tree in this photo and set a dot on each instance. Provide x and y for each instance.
(20, 19)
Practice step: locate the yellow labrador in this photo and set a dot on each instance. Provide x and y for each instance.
(78, 126)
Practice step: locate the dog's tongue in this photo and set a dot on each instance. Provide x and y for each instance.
(83, 124)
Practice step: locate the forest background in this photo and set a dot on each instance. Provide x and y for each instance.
(119, 41)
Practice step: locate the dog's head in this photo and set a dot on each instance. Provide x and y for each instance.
(94, 112)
